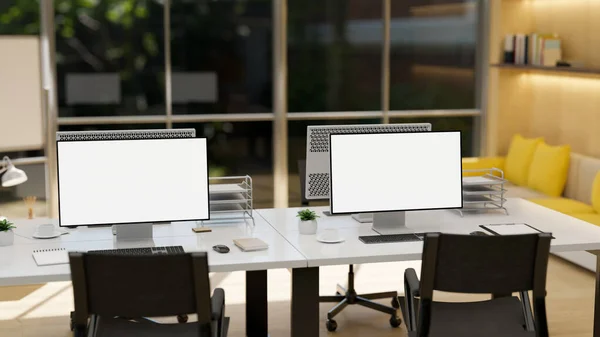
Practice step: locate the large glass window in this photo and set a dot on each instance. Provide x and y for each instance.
(463, 124)
(221, 56)
(20, 17)
(110, 57)
(238, 149)
(432, 62)
(334, 55)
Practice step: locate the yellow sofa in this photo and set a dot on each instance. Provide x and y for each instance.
(580, 198)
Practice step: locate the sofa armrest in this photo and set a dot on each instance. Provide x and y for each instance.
(480, 163)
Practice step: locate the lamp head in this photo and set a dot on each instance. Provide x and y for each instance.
(13, 176)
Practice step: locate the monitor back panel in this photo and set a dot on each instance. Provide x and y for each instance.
(317, 151)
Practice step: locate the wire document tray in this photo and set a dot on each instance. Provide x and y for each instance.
(483, 191)
(230, 199)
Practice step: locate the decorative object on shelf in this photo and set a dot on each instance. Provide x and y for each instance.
(11, 176)
(483, 191)
(230, 199)
(307, 223)
(30, 202)
(7, 237)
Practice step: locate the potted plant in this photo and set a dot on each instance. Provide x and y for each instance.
(308, 221)
(7, 237)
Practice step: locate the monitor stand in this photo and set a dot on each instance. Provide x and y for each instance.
(391, 223)
(363, 217)
(133, 232)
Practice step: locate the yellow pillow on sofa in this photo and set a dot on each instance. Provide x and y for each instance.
(596, 193)
(518, 159)
(549, 169)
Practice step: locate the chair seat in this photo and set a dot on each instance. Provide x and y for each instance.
(116, 327)
(502, 317)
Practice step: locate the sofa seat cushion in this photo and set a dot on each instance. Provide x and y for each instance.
(593, 218)
(564, 205)
(514, 191)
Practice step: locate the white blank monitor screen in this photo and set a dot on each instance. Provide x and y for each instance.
(132, 181)
(395, 172)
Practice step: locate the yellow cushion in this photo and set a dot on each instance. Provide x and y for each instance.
(549, 169)
(564, 205)
(481, 164)
(518, 159)
(596, 193)
(593, 218)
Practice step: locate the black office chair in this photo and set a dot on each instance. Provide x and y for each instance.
(344, 296)
(114, 293)
(498, 265)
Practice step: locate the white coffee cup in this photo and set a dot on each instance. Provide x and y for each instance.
(45, 229)
(330, 234)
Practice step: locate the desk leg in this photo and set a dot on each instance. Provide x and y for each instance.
(256, 304)
(305, 302)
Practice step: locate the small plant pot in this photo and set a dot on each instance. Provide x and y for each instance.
(307, 227)
(7, 238)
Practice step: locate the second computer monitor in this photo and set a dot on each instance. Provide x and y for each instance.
(397, 172)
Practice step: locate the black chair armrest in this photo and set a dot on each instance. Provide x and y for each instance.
(412, 282)
(218, 309)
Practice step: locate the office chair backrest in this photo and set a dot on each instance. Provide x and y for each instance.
(141, 286)
(484, 264)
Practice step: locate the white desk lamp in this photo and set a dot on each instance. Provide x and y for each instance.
(12, 176)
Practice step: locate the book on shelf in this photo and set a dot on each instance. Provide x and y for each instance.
(533, 49)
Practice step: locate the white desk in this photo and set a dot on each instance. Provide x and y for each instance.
(289, 249)
(18, 267)
(571, 235)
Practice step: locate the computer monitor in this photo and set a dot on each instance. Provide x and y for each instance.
(397, 172)
(131, 177)
(317, 151)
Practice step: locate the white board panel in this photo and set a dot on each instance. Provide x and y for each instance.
(21, 116)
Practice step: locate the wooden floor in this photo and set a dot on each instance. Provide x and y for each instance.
(42, 310)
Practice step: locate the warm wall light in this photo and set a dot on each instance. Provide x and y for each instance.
(580, 82)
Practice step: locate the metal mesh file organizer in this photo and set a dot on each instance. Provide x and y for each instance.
(484, 191)
(230, 198)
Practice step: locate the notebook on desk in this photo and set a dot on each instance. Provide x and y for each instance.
(250, 244)
(47, 257)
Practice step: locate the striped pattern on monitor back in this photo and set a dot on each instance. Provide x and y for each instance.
(125, 134)
(317, 151)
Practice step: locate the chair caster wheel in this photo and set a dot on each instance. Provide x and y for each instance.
(395, 303)
(182, 318)
(331, 325)
(395, 321)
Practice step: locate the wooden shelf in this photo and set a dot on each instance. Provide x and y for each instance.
(572, 70)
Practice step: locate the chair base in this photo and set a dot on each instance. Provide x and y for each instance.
(345, 297)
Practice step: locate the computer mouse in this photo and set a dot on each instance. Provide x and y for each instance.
(221, 249)
(479, 233)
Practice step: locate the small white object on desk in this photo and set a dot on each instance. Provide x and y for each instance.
(47, 231)
(47, 257)
(250, 244)
(330, 236)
